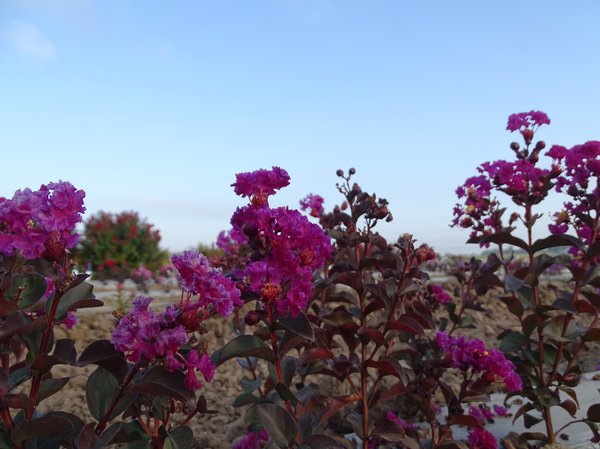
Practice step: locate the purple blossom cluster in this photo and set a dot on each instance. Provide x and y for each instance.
(530, 120)
(401, 423)
(579, 180)
(313, 204)
(521, 179)
(472, 354)
(198, 277)
(41, 223)
(287, 247)
(479, 212)
(144, 335)
(481, 439)
(484, 414)
(440, 294)
(260, 184)
(252, 440)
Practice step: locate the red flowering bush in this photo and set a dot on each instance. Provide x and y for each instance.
(117, 244)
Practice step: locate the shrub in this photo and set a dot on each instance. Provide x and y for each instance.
(117, 244)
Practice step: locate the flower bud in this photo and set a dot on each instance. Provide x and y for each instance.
(339, 172)
(352, 171)
(251, 318)
(515, 146)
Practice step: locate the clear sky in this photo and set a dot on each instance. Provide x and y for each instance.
(153, 105)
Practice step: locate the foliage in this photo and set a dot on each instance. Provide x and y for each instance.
(369, 327)
(554, 328)
(117, 244)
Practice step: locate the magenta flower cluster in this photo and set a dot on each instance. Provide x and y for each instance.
(252, 440)
(481, 439)
(260, 184)
(472, 354)
(144, 335)
(287, 247)
(581, 165)
(41, 223)
(313, 204)
(198, 277)
(440, 294)
(530, 120)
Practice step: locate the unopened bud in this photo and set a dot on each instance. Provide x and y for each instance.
(352, 171)
(251, 318)
(515, 146)
(339, 172)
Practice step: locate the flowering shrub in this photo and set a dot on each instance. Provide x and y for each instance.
(117, 244)
(555, 327)
(359, 312)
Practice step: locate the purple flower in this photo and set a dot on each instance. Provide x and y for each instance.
(260, 184)
(481, 439)
(41, 223)
(529, 119)
(252, 440)
(203, 364)
(313, 204)
(472, 354)
(440, 294)
(198, 277)
(142, 334)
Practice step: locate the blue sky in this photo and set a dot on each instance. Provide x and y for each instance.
(153, 106)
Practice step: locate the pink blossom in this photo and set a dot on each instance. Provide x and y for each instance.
(260, 184)
(252, 440)
(313, 204)
(481, 439)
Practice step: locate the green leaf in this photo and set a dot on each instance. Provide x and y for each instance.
(33, 288)
(277, 421)
(104, 354)
(530, 420)
(285, 393)
(159, 381)
(512, 341)
(249, 385)
(319, 441)
(244, 399)
(298, 325)
(505, 237)
(47, 427)
(243, 346)
(556, 240)
(100, 390)
(50, 386)
(78, 293)
(180, 437)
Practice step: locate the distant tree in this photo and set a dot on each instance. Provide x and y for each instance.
(117, 244)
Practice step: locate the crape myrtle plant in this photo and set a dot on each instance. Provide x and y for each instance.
(359, 313)
(143, 392)
(554, 324)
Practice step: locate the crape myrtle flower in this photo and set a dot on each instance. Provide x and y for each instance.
(252, 440)
(144, 335)
(579, 180)
(481, 439)
(198, 277)
(286, 247)
(313, 204)
(472, 354)
(440, 294)
(41, 223)
(401, 423)
(260, 184)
